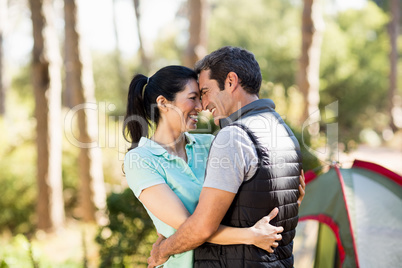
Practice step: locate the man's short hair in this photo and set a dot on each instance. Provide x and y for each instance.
(232, 59)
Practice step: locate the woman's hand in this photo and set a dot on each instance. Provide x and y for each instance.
(302, 188)
(265, 235)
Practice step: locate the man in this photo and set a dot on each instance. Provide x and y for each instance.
(253, 167)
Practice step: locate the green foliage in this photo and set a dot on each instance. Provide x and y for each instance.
(19, 251)
(17, 204)
(70, 177)
(18, 161)
(206, 125)
(354, 66)
(354, 70)
(16, 253)
(17, 165)
(309, 160)
(270, 29)
(168, 51)
(111, 86)
(128, 238)
(22, 92)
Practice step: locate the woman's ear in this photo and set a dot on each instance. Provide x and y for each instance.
(162, 103)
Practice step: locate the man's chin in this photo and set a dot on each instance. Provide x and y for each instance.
(216, 121)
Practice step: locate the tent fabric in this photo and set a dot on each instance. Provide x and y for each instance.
(378, 221)
(363, 208)
(379, 170)
(324, 202)
(326, 247)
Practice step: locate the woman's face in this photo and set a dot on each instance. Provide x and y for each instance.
(185, 108)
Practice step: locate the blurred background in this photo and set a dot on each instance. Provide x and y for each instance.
(331, 67)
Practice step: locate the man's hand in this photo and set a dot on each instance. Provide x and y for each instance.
(198, 228)
(302, 188)
(266, 234)
(155, 259)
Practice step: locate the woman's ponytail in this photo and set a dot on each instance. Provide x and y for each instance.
(136, 123)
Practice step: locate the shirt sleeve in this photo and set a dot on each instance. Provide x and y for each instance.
(209, 141)
(141, 173)
(232, 159)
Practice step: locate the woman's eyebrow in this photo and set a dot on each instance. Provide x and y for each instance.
(195, 93)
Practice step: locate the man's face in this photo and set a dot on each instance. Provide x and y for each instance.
(213, 99)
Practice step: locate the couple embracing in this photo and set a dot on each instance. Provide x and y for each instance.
(225, 201)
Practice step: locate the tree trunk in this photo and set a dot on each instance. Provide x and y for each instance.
(46, 64)
(80, 78)
(308, 77)
(3, 87)
(393, 30)
(144, 57)
(197, 45)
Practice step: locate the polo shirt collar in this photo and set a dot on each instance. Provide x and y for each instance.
(190, 139)
(252, 108)
(157, 149)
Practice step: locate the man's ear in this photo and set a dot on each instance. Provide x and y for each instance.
(232, 81)
(162, 103)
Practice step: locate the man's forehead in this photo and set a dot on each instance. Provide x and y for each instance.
(204, 76)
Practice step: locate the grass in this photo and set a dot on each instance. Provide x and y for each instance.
(64, 248)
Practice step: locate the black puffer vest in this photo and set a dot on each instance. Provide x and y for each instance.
(275, 184)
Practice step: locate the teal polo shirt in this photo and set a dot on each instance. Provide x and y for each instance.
(150, 164)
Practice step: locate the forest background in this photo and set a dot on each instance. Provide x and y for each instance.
(331, 68)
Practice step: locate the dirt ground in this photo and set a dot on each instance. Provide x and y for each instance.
(390, 158)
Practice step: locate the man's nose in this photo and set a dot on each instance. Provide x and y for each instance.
(204, 102)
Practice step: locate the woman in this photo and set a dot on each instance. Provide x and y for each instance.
(166, 171)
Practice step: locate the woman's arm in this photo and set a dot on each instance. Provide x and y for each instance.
(166, 206)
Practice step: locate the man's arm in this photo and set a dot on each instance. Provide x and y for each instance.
(212, 207)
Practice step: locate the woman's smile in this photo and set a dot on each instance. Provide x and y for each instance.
(194, 118)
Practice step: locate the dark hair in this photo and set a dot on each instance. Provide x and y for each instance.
(232, 59)
(142, 109)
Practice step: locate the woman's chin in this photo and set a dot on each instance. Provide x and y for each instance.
(191, 127)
